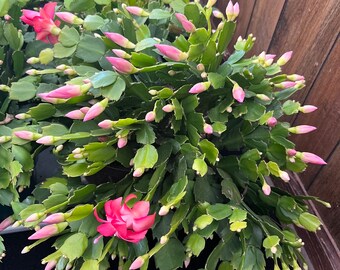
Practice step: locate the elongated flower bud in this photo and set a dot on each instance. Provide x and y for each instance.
(284, 176)
(50, 265)
(6, 223)
(138, 172)
(284, 85)
(65, 92)
(4, 139)
(75, 114)
(263, 97)
(137, 11)
(164, 210)
(138, 263)
(168, 108)
(308, 108)
(48, 231)
(302, 129)
(27, 135)
(199, 87)
(121, 53)
(106, 124)
(266, 189)
(284, 58)
(218, 14)
(122, 65)
(69, 18)
(47, 140)
(238, 93)
(171, 52)
(307, 157)
(34, 217)
(208, 129)
(44, 97)
(186, 24)
(295, 77)
(96, 110)
(120, 40)
(122, 142)
(232, 11)
(22, 116)
(271, 122)
(33, 60)
(55, 218)
(150, 116)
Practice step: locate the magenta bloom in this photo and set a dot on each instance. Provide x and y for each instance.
(171, 52)
(129, 224)
(47, 30)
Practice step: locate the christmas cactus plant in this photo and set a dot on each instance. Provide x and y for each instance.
(186, 138)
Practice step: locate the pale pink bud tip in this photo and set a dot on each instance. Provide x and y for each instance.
(48, 231)
(121, 53)
(150, 116)
(186, 24)
(69, 17)
(232, 11)
(208, 129)
(76, 115)
(46, 140)
(67, 91)
(171, 52)
(25, 135)
(137, 11)
(291, 152)
(311, 158)
(287, 84)
(96, 110)
(50, 265)
(308, 108)
(33, 217)
(302, 129)
(164, 210)
(284, 58)
(271, 122)
(168, 108)
(284, 176)
(106, 124)
(120, 40)
(295, 77)
(55, 218)
(199, 87)
(138, 172)
(137, 263)
(122, 142)
(266, 189)
(122, 65)
(6, 223)
(238, 93)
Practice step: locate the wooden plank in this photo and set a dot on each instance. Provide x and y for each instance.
(263, 23)
(325, 95)
(326, 186)
(309, 28)
(321, 248)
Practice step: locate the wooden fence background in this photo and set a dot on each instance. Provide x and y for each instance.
(310, 28)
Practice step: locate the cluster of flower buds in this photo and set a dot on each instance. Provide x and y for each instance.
(232, 11)
(265, 59)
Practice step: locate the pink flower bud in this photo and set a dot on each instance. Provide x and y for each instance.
(137, 11)
(302, 129)
(295, 77)
(208, 129)
(271, 122)
(34, 217)
(218, 14)
(284, 85)
(106, 124)
(291, 152)
(186, 24)
(67, 91)
(284, 176)
(22, 116)
(307, 108)
(69, 17)
(96, 110)
(263, 97)
(6, 223)
(168, 108)
(48, 231)
(121, 53)
(25, 135)
(55, 218)
(171, 52)
(32, 72)
(76, 115)
(199, 87)
(120, 40)
(164, 239)
(122, 142)
(150, 116)
(47, 140)
(266, 189)
(238, 93)
(122, 65)
(138, 263)
(7, 17)
(4, 139)
(232, 11)
(50, 265)
(33, 60)
(284, 58)
(44, 97)
(138, 172)
(164, 210)
(307, 157)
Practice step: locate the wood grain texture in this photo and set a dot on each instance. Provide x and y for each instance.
(263, 23)
(309, 28)
(326, 96)
(327, 187)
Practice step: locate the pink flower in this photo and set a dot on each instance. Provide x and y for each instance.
(307, 157)
(137, 263)
(238, 93)
(129, 224)
(120, 40)
(186, 24)
(284, 58)
(171, 52)
(271, 122)
(121, 53)
(137, 11)
(232, 11)
(47, 30)
(199, 87)
(6, 223)
(96, 110)
(122, 65)
(308, 108)
(48, 231)
(150, 116)
(67, 91)
(69, 18)
(302, 129)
